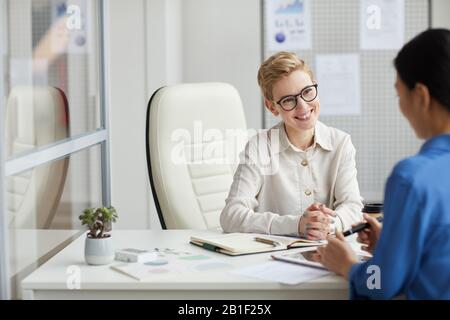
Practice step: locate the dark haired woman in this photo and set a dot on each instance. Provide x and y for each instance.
(411, 251)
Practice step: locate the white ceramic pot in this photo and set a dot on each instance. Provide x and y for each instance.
(98, 251)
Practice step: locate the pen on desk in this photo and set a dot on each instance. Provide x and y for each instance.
(360, 227)
(267, 241)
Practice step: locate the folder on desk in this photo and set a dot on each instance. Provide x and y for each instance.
(235, 244)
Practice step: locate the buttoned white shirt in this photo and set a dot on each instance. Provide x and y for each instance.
(275, 182)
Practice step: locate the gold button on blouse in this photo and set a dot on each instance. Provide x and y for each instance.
(308, 192)
(304, 163)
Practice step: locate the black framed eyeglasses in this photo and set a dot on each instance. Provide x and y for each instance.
(308, 94)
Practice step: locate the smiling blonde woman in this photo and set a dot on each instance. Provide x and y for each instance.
(311, 188)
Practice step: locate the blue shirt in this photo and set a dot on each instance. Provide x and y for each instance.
(413, 251)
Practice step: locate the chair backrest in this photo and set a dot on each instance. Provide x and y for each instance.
(35, 116)
(191, 151)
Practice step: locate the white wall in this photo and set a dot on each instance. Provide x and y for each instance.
(222, 42)
(128, 98)
(206, 40)
(163, 42)
(440, 13)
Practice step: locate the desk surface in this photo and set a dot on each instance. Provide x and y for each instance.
(101, 282)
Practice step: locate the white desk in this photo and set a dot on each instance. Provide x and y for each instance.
(101, 282)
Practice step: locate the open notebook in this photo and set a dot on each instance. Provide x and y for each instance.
(235, 244)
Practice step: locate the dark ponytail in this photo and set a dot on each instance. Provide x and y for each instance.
(426, 59)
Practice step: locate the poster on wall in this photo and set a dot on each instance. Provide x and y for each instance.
(382, 24)
(339, 84)
(288, 25)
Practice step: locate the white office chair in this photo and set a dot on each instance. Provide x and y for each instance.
(187, 123)
(35, 116)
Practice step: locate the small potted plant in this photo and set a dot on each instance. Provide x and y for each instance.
(98, 248)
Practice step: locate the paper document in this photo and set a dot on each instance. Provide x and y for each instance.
(382, 24)
(282, 272)
(171, 262)
(339, 84)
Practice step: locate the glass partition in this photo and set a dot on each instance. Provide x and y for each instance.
(50, 44)
(43, 206)
(54, 159)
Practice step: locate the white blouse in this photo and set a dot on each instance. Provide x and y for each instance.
(275, 182)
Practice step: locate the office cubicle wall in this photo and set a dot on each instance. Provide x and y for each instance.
(379, 132)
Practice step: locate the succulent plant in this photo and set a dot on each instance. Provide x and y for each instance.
(99, 221)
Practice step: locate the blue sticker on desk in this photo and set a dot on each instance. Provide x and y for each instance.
(157, 262)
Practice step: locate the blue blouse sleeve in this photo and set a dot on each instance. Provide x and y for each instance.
(399, 248)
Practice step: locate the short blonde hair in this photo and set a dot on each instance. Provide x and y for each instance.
(277, 66)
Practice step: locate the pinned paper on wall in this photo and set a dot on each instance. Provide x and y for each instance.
(339, 84)
(382, 24)
(288, 24)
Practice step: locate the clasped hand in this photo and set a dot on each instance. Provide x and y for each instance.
(316, 222)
